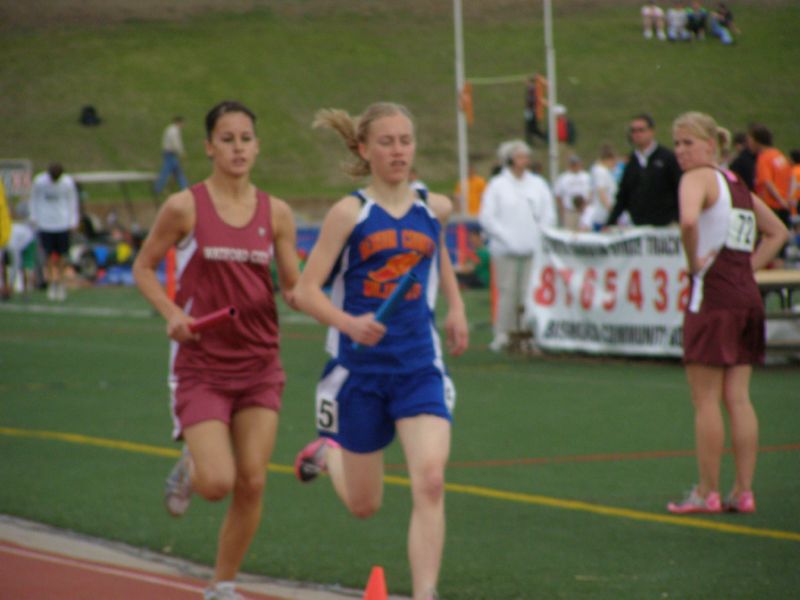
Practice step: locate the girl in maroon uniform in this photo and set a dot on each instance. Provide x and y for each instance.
(727, 234)
(226, 382)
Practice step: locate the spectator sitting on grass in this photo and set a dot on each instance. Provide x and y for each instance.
(697, 20)
(677, 18)
(722, 25)
(653, 21)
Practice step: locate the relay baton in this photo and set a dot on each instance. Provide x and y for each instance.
(389, 305)
(213, 319)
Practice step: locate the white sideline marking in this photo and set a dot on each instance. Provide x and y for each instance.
(99, 311)
(83, 311)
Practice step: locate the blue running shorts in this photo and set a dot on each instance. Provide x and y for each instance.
(359, 410)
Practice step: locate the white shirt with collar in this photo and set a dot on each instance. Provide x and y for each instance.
(513, 210)
(643, 157)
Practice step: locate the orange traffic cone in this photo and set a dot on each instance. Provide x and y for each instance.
(376, 586)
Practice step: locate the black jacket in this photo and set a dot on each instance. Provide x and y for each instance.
(744, 165)
(649, 194)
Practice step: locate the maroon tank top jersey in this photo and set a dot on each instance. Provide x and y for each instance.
(729, 281)
(724, 322)
(220, 265)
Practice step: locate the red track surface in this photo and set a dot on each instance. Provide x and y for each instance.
(27, 574)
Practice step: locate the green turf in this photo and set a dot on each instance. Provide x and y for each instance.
(530, 436)
(287, 64)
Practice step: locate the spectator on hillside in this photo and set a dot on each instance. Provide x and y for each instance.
(697, 20)
(515, 206)
(722, 25)
(172, 152)
(744, 161)
(677, 18)
(54, 213)
(572, 190)
(566, 132)
(649, 187)
(604, 190)
(653, 21)
(535, 102)
(773, 175)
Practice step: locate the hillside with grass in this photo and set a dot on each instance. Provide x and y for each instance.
(141, 63)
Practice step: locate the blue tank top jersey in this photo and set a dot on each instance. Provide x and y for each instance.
(379, 251)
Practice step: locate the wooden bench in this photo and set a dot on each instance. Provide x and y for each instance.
(784, 283)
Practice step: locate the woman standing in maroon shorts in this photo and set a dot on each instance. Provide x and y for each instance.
(727, 234)
(226, 382)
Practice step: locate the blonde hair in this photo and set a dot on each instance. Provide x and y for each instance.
(705, 127)
(724, 140)
(355, 130)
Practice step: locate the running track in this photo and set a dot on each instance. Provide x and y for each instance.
(27, 574)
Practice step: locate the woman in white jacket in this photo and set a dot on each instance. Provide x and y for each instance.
(515, 205)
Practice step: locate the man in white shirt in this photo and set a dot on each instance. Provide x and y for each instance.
(172, 151)
(604, 191)
(514, 207)
(573, 189)
(54, 212)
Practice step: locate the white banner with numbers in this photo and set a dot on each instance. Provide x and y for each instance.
(615, 293)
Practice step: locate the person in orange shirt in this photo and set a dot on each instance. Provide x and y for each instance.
(794, 194)
(475, 186)
(773, 175)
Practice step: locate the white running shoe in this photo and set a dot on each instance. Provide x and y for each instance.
(223, 590)
(499, 343)
(178, 487)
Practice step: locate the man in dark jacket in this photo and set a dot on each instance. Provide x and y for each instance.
(649, 187)
(744, 164)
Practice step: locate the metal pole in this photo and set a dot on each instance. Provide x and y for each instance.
(550, 53)
(461, 119)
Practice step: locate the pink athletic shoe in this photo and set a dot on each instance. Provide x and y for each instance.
(310, 461)
(695, 503)
(745, 502)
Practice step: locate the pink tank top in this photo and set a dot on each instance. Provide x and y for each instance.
(221, 265)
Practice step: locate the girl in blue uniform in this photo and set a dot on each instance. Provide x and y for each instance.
(384, 378)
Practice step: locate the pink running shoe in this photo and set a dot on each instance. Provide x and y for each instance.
(745, 502)
(695, 503)
(310, 461)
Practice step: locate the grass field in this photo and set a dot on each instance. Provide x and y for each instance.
(561, 466)
(141, 63)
